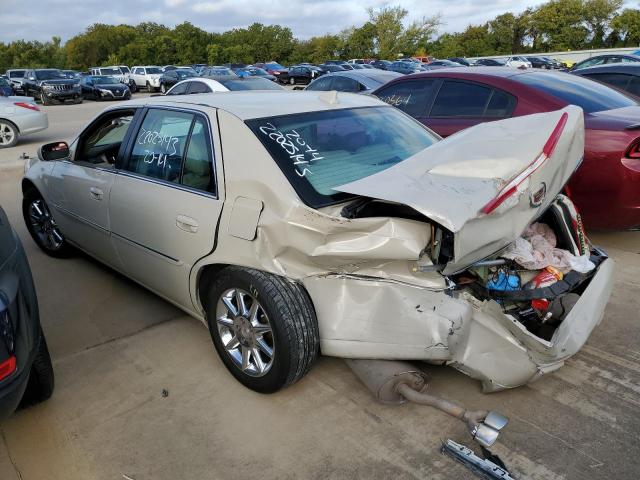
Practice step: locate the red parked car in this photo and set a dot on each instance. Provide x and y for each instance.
(606, 187)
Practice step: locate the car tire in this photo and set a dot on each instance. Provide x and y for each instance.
(278, 318)
(42, 226)
(133, 87)
(163, 89)
(292, 81)
(9, 134)
(149, 87)
(41, 378)
(78, 100)
(43, 99)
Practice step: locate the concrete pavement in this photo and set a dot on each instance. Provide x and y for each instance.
(116, 347)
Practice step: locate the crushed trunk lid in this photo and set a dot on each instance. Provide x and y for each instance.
(485, 184)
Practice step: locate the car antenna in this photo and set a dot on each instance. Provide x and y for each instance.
(330, 97)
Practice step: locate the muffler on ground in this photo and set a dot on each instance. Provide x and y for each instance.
(394, 382)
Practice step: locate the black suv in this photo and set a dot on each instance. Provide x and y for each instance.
(49, 85)
(26, 374)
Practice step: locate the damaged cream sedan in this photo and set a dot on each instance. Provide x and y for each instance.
(298, 223)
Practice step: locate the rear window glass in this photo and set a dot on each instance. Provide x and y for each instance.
(589, 95)
(318, 151)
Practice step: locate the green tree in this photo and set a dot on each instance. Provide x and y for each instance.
(598, 15)
(627, 27)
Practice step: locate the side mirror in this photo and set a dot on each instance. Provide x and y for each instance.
(53, 151)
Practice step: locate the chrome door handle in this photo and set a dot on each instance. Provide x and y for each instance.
(187, 224)
(96, 193)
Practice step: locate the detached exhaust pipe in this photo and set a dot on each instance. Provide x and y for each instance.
(394, 382)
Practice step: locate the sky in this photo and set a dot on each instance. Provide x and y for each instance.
(42, 19)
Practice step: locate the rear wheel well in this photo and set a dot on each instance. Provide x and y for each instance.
(205, 277)
(9, 121)
(27, 185)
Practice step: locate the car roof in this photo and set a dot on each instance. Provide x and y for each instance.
(371, 78)
(250, 104)
(630, 67)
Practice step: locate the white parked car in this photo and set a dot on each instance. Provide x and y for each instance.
(19, 116)
(518, 62)
(222, 84)
(147, 77)
(293, 223)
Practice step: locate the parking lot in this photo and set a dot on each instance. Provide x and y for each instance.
(141, 393)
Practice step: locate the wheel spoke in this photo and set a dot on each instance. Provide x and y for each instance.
(242, 308)
(225, 321)
(253, 312)
(245, 358)
(258, 360)
(230, 306)
(233, 343)
(261, 329)
(266, 349)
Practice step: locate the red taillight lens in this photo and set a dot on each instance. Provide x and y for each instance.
(512, 186)
(7, 367)
(634, 150)
(30, 106)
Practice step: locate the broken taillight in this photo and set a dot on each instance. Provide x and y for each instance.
(7, 367)
(512, 186)
(30, 106)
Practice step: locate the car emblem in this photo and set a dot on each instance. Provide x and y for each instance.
(536, 198)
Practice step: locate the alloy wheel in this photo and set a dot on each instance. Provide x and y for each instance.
(44, 225)
(245, 332)
(7, 134)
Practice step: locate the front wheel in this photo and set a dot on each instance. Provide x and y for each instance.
(292, 81)
(163, 89)
(43, 227)
(263, 327)
(43, 99)
(8, 134)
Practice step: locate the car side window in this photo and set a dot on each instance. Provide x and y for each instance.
(198, 162)
(321, 84)
(460, 99)
(618, 80)
(180, 89)
(410, 97)
(501, 105)
(344, 84)
(198, 87)
(634, 86)
(100, 143)
(160, 144)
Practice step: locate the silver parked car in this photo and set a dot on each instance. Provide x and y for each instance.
(354, 81)
(19, 116)
(293, 223)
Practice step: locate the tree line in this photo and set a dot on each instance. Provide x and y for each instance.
(552, 26)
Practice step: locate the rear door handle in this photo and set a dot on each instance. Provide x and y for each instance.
(187, 224)
(96, 193)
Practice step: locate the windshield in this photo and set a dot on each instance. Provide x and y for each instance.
(125, 69)
(16, 74)
(587, 94)
(110, 71)
(104, 80)
(221, 71)
(153, 70)
(49, 74)
(256, 71)
(274, 66)
(320, 150)
(235, 84)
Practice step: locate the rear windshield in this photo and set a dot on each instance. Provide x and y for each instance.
(320, 150)
(590, 95)
(153, 70)
(49, 74)
(110, 71)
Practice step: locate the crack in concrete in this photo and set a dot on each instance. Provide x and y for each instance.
(13, 463)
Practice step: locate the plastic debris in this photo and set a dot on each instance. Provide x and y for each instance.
(536, 249)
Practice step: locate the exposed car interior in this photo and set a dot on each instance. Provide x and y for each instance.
(100, 144)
